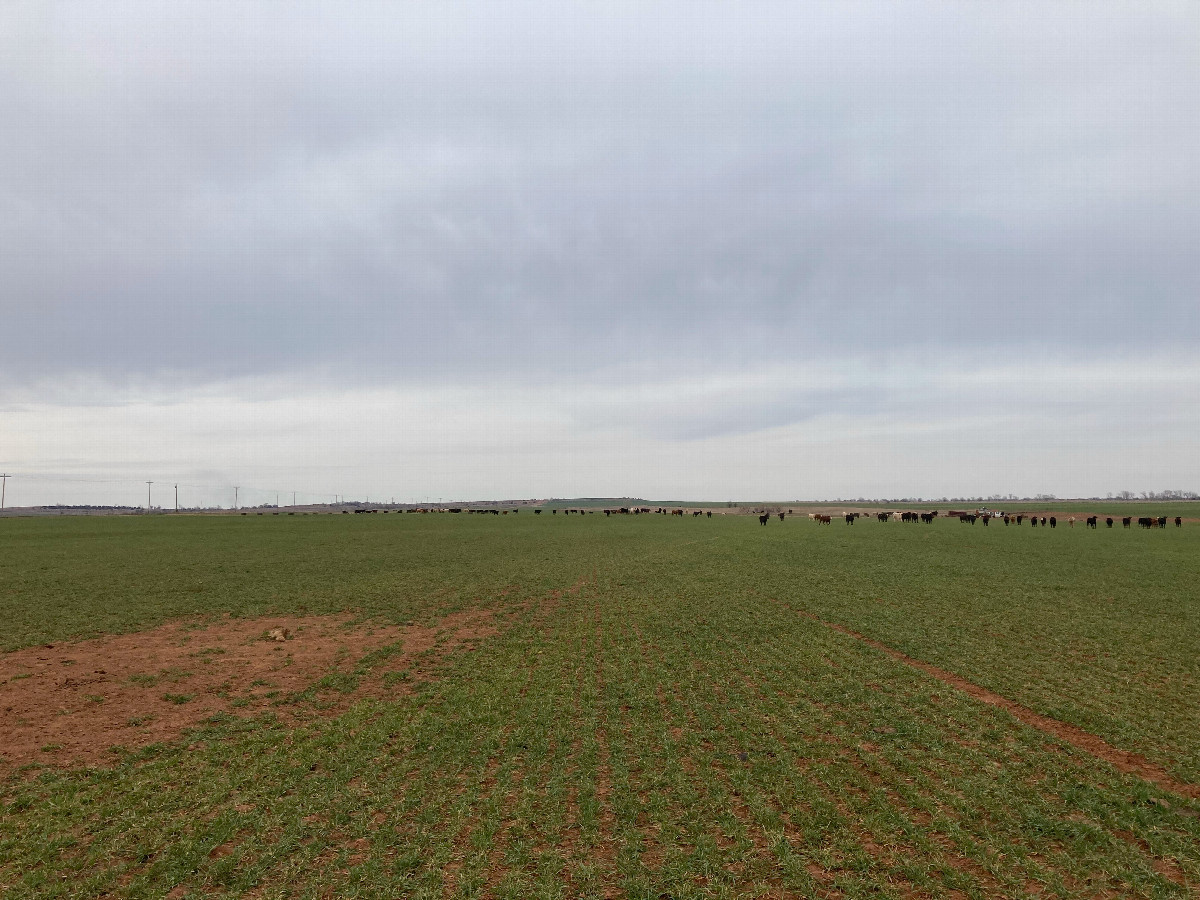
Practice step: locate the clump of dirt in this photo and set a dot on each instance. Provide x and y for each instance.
(67, 704)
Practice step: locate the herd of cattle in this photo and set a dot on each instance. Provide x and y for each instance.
(970, 518)
(966, 518)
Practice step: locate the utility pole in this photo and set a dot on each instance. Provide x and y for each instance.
(293, 498)
(148, 483)
(176, 498)
(3, 488)
(235, 490)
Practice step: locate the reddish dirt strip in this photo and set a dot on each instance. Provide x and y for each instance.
(70, 703)
(1130, 763)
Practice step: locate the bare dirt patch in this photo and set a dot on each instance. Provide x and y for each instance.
(67, 704)
(1130, 763)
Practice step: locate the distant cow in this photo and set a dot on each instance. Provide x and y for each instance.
(1071, 521)
(1053, 522)
(883, 517)
(1125, 521)
(781, 517)
(1091, 521)
(849, 519)
(1145, 522)
(1033, 521)
(1108, 522)
(708, 514)
(1178, 521)
(824, 520)
(537, 512)
(1020, 518)
(1162, 521)
(764, 518)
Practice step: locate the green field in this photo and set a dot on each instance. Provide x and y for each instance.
(662, 712)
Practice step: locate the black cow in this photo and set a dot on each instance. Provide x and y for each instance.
(1053, 522)
(1091, 521)
(849, 519)
(1125, 521)
(1178, 521)
(708, 514)
(781, 517)
(1108, 522)
(1162, 521)
(1145, 522)
(764, 518)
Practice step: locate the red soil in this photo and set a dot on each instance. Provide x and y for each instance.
(71, 703)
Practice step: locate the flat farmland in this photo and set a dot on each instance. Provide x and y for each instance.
(580, 706)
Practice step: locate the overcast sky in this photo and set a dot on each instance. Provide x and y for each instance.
(671, 250)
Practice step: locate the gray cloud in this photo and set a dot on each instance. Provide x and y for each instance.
(541, 194)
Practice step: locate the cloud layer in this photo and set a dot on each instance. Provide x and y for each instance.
(688, 225)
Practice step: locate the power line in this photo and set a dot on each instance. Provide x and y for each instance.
(210, 487)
